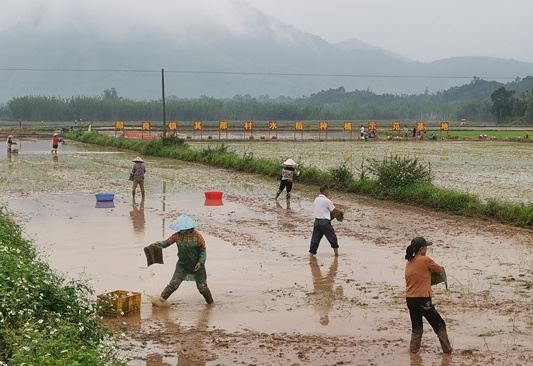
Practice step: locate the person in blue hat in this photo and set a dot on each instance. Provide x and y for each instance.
(191, 259)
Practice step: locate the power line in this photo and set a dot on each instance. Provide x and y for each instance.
(261, 73)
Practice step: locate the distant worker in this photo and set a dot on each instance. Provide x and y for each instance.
(527, 134)
(362, 132)
(55, 143)
(138, 175)
(288, 175)
(414, 131)
(10, 142)
(405, 132)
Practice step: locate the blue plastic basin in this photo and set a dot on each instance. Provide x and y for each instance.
(105, 197)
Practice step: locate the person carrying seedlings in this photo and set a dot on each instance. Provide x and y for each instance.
(191, 259)
(55, 143)
(418, 294)
(323, 207)
(10, 142)
(288, 175)
(138, 175)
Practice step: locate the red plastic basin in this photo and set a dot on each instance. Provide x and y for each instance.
(213, 195)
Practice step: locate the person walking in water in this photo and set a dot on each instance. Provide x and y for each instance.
(323, 207)
(191, 259)
(9, 142)
(418, 294)
(55, 143)
(288, 175)
(138, 175)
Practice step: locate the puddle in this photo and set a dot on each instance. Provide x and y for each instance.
(272, 302)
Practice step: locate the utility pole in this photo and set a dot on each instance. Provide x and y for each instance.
(163, 99)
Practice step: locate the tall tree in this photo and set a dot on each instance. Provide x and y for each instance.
(502, 103)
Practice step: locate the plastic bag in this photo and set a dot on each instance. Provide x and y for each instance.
(131, 176)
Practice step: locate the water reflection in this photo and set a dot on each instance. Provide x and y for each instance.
(288, 205)
(213, 202)
(196, 338)
(417, 360)
(324, 294)
(137, 217)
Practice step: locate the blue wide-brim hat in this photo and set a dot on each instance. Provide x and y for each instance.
(183, 223)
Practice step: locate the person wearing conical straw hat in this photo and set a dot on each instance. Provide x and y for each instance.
(288, 175)
(138, 175)
(191, 259)
(418, 294)
(55, 143)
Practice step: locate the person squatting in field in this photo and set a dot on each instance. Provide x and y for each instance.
(191, 259)
(418, 294)
(288, 175)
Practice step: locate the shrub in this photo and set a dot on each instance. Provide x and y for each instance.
(395, 172)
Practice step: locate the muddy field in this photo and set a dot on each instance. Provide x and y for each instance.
(273, 305)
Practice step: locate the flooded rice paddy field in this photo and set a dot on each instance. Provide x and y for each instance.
(273, 304)
(487, 169)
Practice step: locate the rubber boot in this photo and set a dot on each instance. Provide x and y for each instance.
(206, 293)
(444, 341)
(289, 195)
(278, 193)
(416, 340)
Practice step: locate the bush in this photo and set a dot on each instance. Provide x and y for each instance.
(396, 172)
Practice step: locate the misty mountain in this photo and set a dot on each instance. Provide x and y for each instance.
(242, 52)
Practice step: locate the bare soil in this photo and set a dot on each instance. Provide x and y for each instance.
(274, 305)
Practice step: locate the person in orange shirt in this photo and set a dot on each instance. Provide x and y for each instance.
(418, 294)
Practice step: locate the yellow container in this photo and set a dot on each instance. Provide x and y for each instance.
(119, 303)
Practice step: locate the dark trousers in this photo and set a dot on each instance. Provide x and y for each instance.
(421, 307)
(285, 184)
(320, 228)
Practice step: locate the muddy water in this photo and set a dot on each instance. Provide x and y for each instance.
(273, 304)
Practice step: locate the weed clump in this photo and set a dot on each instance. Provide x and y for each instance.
(400, 172)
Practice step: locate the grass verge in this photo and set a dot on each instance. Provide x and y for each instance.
(43, 319)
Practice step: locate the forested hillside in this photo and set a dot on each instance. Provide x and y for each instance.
(480, 100)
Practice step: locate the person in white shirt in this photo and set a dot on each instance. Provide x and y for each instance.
(362, 132)
(322, 226)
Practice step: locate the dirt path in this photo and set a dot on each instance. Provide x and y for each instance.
(273, 305)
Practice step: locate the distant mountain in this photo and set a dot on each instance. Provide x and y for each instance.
(242, 52)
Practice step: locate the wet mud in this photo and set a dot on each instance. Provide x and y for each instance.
(274, 305)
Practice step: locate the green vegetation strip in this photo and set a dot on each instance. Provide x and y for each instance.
(394, 178)
(43, 319)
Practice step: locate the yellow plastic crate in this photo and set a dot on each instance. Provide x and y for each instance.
(119, 303)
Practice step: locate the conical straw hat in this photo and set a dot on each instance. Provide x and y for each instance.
(183, 223)
(289, 162)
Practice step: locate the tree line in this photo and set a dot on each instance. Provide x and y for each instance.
(497, 104)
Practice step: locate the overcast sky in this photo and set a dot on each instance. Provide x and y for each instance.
(423, 30)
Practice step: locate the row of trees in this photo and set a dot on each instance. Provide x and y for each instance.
(333, 104)
(44, 108)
